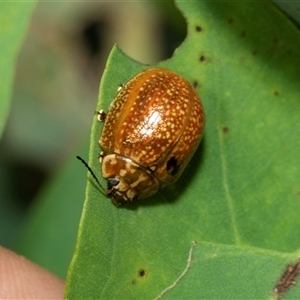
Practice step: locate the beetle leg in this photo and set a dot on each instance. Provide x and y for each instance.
(101, 115)
(101, 156)
(121, 86)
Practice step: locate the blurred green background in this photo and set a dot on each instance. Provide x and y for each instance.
(54, 96)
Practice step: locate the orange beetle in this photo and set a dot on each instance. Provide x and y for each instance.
(150, 133)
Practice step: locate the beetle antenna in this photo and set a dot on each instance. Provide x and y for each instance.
(92, 173)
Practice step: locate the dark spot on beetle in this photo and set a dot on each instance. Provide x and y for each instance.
(230, 20)
(243, 33)
(142, 273)
(133, 281)
(288, 279)
(225, 129)
(198, 28)
(172, 166)
(254, 52)
(202, 58)
(276, 93)
(195, 84)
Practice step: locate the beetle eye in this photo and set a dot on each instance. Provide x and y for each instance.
(112, 182)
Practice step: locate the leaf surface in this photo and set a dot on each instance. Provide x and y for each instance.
(239, 198)
(14, 19)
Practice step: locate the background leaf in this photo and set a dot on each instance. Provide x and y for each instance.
(291, 8)
(14, 20)
(49, 230)
(239, 197)
(56, 89)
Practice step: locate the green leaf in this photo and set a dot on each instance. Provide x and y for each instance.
(239, 196)
(14, 19)
(291, 8)
(49, 230)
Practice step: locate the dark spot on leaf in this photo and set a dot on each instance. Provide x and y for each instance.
(230, 20)
(133, 281)
(288, 279)
(172, 166)
(202, 58)
(225, 129)
(275, 40)
(243, 33)
(195, 84)
(254, 52)
(198, 28)
(142, 273)
(276, 93)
